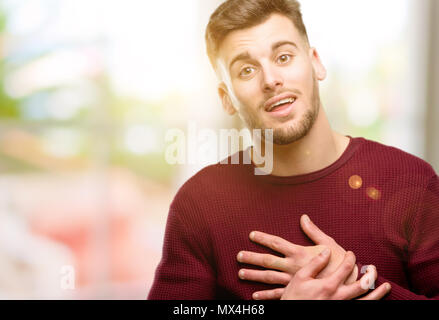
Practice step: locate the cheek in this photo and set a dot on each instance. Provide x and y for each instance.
(301, 76)
(246, 92)
(300, 79)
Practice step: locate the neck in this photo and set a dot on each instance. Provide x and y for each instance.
(317, 150)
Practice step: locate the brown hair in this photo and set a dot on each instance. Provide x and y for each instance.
(242, 14)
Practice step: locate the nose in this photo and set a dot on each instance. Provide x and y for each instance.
(272, 80)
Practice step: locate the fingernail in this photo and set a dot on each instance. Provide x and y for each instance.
(242, 274)
(306, 219)
(240, 256)
(256, 296)
(252, 235)
(388, 286)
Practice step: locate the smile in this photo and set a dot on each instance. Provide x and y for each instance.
(279, 104)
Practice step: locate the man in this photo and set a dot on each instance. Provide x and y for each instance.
(378, 202)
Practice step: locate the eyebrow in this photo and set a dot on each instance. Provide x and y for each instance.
(246, 55)
(242, 56)
(282, 43)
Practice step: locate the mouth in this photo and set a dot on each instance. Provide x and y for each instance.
(280, 106)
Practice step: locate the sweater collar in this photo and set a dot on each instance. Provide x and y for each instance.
(352, 147)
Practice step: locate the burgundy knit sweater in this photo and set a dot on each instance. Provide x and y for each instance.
(377, 201)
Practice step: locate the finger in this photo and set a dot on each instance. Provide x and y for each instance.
(273, 242)
(313, 232)
(378, 293)
(352, 291)
(360, 286)
(317, 264)
(265, 276)
(274, 294)
(262, 259)
(353, 276)
(344, 270)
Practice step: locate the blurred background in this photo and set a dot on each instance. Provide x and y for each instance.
(89, 88)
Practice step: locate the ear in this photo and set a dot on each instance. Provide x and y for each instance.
(225, 99)
(319, 68)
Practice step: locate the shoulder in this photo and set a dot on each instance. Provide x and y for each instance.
(395, 161)
(213, 179)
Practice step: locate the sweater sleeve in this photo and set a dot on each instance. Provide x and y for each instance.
(422, 251)
(184, 272)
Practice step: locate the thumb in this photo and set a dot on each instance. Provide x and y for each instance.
(313, 232)
(317, 264)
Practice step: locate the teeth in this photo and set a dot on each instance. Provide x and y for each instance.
(288, 100)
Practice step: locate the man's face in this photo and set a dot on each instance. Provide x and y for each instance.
(270, 78)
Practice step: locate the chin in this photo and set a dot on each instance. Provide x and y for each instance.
(291, 133)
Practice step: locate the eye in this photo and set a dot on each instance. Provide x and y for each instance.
(247, 71)
(284, 58)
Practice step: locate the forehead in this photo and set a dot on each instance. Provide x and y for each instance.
(259, 38)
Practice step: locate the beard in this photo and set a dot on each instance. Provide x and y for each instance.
(291, 133)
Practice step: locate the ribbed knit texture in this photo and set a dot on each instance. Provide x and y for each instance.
(390, 220)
